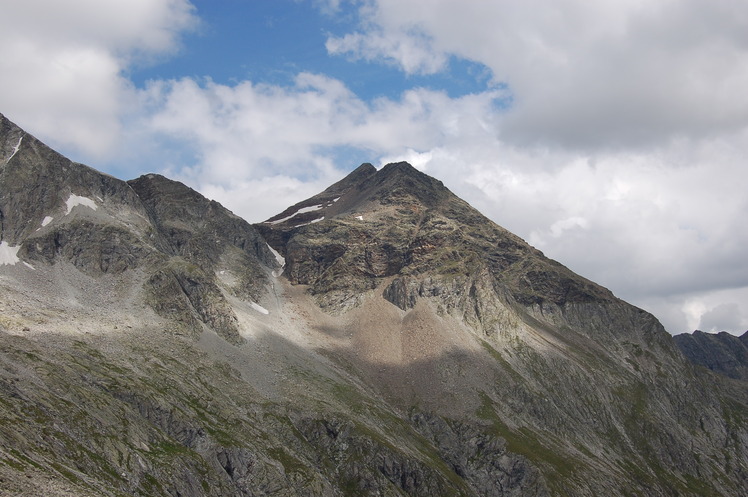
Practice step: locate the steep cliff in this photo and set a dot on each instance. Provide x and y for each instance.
(721, 352)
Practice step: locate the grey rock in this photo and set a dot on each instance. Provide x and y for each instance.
(56, 210)
(481, 459)
(722, 353)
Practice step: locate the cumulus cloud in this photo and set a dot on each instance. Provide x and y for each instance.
(722, 317)
(600, 74)
(63, 63)
(249, 133)
(410, 50)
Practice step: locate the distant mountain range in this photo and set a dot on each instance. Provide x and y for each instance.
(380, 338)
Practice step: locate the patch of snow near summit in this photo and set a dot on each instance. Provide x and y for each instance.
(15, 149)
(300, 211)
(360, 218)
(257, 307)
(283, 219)
(8, 254)
(309, 209)
(74, 200)
(47, 220)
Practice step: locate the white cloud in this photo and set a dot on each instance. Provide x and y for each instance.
(583, 74)
(709, 311)
(723, 317)
(409, 50)
(249, 133)
(63, 64)
(260, 199)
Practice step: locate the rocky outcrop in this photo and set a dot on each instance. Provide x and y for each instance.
(93, 248)
(722, 353)
(398, 221)
(194, 227)
(186, 296)
(54, 210)
(365, 466)
(481, 459)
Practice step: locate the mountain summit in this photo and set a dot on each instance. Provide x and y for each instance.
(401, 226)
(380, 338)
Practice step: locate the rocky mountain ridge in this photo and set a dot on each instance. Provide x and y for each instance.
(722, 352)
(56, 210)
(401, 223)
(149, 345)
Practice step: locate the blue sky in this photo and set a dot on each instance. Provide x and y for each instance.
(612, 135)
(264, 41)
(271, 41)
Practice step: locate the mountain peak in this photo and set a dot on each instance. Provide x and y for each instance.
(401, 223)
(355, 178)
(400, 182)
(365, 190)
(401, 167)
(364, 169)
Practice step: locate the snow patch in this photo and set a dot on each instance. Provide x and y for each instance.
(281, 260)
(309, 209)
(8, 254)
(15, 149)
(257, 307)
(336, 199)
(74, 200)
(360, 218)
(300, 211)
(47, 220)
(283, 219)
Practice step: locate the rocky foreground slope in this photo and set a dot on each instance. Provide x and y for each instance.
(380, 338)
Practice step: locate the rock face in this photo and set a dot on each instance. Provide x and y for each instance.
(401, 226)
(202, 239)
(53, 210)
(722, 353)
(150, 346)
